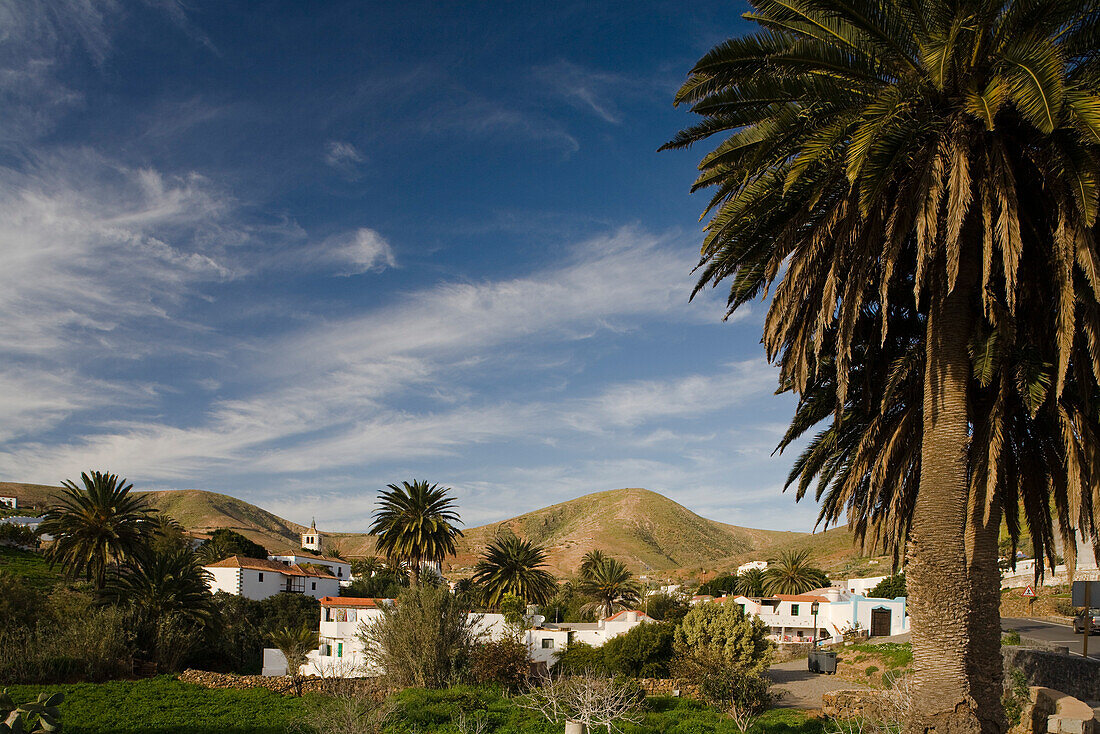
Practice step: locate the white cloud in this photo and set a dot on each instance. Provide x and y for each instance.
(343, 155)
(587, 90)
(361, 251)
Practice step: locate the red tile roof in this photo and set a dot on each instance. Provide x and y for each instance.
(615, 616)
(353, 601)
(310, 556)
(262, 564)
(798, 597)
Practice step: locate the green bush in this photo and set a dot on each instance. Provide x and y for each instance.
(725, 630)
(667, 608)
(890, 587)
(95, 646)
(503, 662)
(580, 658)
(1012, 637)
(643, 652)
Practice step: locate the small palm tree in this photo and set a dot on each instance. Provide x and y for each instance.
(415, 523)
(590, 560)
(96, 525)
(514, 566)
(295, 643)
(610, 586)
(161, 583)
(793, 574)
(751, 582)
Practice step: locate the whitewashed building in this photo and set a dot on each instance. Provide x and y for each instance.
(9, 502)
(259, 578)
(863, 586)
(752, 566)
(338, 567)
(341, 651)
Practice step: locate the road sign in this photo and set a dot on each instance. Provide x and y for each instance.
(1029, 592)
(1086, 593)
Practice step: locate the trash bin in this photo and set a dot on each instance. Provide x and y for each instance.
(813, 662)
(822, 661)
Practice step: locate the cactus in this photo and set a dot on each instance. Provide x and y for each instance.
(37, 717)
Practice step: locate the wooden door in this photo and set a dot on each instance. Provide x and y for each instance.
(880, 622)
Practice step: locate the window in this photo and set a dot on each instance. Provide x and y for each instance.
(547, 643)
(314, 586)
(340, 571)
(794, 610)
(339, 649)
(261, 575)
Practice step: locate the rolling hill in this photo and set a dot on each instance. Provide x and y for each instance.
(646, 530)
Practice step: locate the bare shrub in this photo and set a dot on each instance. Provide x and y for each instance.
(476, 723)
(351, 712)
(589, 700)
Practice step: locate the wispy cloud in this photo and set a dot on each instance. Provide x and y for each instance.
(361, 251)
(343, 156)
(479, 117)
(585, 89)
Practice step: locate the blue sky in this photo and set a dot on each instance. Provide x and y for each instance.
(296, 251)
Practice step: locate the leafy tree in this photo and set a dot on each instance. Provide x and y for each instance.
(580, 658)
(384, 585)
(793, 574)
(295, 643)
(503, 662)
(415, 523)
(751, 582)
(890, 587)
(423, 640)
(722, 585)
(643, 652)
(917, 180)
(96, 525)
(724, 630)
(514, 609)
(511, 565)
(224, 543)
(568, 605)
(610, 586)
(667, 607)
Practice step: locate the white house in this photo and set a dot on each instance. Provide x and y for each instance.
(259, 578)
(752, 566)
(791, 619)
(863, 586)
(10, 502)
(342, 618)
(338, 567)
(311, 539)
(27, 522)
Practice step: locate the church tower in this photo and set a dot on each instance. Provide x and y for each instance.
(311, 539)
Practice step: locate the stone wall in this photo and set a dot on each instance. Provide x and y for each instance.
(282, 683)
(1072, 674)
(668, 687)
(869, 705)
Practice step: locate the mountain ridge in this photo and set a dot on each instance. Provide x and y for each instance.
(651, 533)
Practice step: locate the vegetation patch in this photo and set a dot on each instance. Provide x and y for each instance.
(31, 567)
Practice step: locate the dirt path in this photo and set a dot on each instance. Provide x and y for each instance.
(802, 689)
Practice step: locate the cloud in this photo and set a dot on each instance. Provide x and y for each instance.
(479, 117)
(342, 155)
(361, 251)
(586, 90)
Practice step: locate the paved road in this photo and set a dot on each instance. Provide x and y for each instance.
(1052, 633)
(802, 689)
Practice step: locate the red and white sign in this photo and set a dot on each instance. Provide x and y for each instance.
(1029, 592)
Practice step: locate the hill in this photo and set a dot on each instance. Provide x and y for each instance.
(648, 531)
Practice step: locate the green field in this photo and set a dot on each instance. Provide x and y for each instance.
(166, 706)
(32, 567)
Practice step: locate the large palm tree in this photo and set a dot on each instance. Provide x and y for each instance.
(94, 526)
(951, 145)
(157, 584)
(751, 582)
(610, 586)
(792, 573)
(414, 524)
(511, 565)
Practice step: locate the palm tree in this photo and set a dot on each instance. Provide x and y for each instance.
(295, 643)
(590, 560)
(415, 524)
(793, 574)
(96, 525)
(514, 566)
(751, 582)
(953, 147)
(156, 584)
(610, 586)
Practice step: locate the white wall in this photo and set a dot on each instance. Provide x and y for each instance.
(9, 502)
(863, 586)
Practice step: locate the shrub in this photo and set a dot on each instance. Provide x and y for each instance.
(93, 647)
(17, 535)
(37, 717)
(890, 587)
(423, 640)
(580, 658)
(224, 542)
(1012, 637)
(667, 608)
(727, 583)
(503, 662)
(643, 652)
(20, 605)
(726, 631)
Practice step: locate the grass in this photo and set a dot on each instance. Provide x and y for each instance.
(164, 705)
(892, 654)
(32, 567)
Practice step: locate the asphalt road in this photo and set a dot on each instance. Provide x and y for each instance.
(1055, 634)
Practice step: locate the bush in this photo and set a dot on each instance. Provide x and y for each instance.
(1012, 637)
(720, 585)
(580, 658)
(890, 587)
(224, 542)
(725, 630)
(643, 652)
(17, 535)
(93, 647)
(667, 608)
(423, 640)
(235, 641)
(503, 662)
(20, 605)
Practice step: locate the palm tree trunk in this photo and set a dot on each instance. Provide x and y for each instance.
(986, 669)
(940, 598)
(414, 572)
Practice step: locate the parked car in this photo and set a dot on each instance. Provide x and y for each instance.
(1090, 617)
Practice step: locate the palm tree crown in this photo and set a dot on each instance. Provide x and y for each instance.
(511, 565)
(611, 586)
(792, 573)
(96, 525)
(415, 523)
